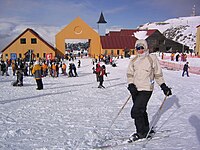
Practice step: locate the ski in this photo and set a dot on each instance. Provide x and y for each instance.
(123, 141)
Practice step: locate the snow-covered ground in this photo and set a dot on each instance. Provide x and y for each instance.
(73, 114)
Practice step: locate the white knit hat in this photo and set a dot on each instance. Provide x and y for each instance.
(36, 63)
(141, 42)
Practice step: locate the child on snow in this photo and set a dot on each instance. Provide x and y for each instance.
(101, 75)
(19, 81)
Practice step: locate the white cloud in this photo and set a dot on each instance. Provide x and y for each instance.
(115, 10)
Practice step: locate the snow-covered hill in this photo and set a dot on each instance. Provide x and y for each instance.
(182, 30)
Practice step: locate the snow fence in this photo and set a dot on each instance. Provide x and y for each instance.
(175, 66)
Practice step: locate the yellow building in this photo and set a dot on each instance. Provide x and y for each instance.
(114, 43)
(78, 29)
(198, 41)
(29, 44)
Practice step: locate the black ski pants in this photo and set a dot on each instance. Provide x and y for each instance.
(138, 111)
(39, 84)
(101, 80)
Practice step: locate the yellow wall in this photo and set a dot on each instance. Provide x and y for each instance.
(78, 29)
(198, 41)
(109, 52)
(121, 52)
(18, 48)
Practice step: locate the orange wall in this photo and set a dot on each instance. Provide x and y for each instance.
(78, 29)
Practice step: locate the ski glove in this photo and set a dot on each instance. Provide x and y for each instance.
(167, 91)
(133, 90)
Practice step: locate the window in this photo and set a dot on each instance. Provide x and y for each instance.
(112, 52)
(38, 55)
(23, 40)
(106, 52)
(33, 41)
(20, 55)
(133, 52)
(117, 52)
(6, 55)
(44, 55)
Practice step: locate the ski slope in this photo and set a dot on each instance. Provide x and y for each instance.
(73, 114)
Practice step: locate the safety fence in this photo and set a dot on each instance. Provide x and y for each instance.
(176, 66)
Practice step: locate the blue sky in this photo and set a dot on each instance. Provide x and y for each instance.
(119, 13)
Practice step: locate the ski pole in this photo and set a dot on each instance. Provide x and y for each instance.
(154, 121)
(119, 112)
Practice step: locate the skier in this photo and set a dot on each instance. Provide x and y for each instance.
(19, 81)
(185, 69)
(57, 69)
(97, 71)
(101, 74)
(14, 67)
(38, 75)
(45, 69)
(64, 67)
(70, 70)
(3, 67)
(141, 73)
(74, 69)
(79, 63)
(177, 57)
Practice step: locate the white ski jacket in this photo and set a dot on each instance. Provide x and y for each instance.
(143, 70)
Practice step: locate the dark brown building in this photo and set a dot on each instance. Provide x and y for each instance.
(122, 39)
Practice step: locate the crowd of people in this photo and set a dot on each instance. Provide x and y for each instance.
(54, 68)
(179, 57)
(38, 69)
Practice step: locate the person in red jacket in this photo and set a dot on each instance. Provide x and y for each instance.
(97, 71)
(101, 74)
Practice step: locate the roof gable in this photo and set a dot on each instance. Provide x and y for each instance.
(34, 33)
(77, 27)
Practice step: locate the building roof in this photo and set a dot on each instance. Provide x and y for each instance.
(130, 32)
(121, 39)
(113, 33)
(101, 19)
(34, 33)
(118, 42)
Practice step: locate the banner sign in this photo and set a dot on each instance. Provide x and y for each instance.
(13, 56)
(49, 56)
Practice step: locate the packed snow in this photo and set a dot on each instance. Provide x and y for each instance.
(71, 113)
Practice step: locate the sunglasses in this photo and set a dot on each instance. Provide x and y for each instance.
(139, 48)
